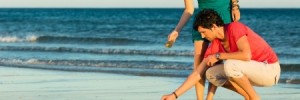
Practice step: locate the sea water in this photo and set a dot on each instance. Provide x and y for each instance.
(128, 41)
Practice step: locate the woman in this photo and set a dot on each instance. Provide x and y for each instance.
(247, 63)
(229, 11)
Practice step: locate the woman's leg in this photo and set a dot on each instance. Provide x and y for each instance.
(200, 86)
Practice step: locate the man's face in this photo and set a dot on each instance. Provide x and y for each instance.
(207, 33)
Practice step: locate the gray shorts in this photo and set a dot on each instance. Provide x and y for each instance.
(258, 73)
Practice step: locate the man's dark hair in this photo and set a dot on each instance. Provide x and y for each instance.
(206, 18)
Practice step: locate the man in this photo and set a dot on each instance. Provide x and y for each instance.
(229, 11)
(247, 63)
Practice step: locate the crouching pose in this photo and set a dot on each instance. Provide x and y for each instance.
(248, 59)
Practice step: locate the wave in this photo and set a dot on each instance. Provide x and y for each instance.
(289, 73)
(98, 50)
(125, 64)
(76, 40)
(130, 71)
(290, 67)
(290, 81)
(17, 39)
(90, 40)
(102, 63)
(141, 68)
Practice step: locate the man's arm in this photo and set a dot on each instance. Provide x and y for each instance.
(199, 51)
(244, 52)
(191, 80)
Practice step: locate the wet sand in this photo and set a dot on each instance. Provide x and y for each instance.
(36, 84)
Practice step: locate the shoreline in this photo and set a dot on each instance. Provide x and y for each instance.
(37, 84)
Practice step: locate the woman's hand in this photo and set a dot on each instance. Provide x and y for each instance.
(173, 36)
(211, 60)
(168, 97)
(235, 13)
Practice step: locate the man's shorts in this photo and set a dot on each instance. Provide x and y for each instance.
(258, 73)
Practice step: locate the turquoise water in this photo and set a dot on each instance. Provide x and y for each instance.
(127, 41)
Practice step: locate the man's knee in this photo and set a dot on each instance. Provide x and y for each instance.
(232, 69)
(214, 71)
(208, 73)
(216, 75)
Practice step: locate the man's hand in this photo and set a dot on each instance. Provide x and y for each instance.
(168, 97)
(211, 60)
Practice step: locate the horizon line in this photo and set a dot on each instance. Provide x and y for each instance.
(143, 7)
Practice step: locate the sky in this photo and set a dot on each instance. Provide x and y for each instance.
(136, 3)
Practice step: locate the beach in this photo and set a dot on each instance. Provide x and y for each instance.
(37, 84)
(119, 54)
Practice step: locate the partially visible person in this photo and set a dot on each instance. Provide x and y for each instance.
(229, 11)
(247, 63)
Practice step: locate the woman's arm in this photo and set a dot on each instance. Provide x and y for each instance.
(187, 13)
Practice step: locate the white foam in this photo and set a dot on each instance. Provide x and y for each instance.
(31, 61)
(9, 39)
(31, 38)
(17, 39)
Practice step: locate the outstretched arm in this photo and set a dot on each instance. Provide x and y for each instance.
(192, 79)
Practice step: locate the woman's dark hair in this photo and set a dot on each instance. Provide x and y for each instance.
(206, 18)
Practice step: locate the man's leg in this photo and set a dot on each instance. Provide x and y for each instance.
(228, 85)
(245, 84)
(234, 87)
(211, 91)
(216, 75)
(242, 72)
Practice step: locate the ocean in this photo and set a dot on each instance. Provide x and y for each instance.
(128, 41)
